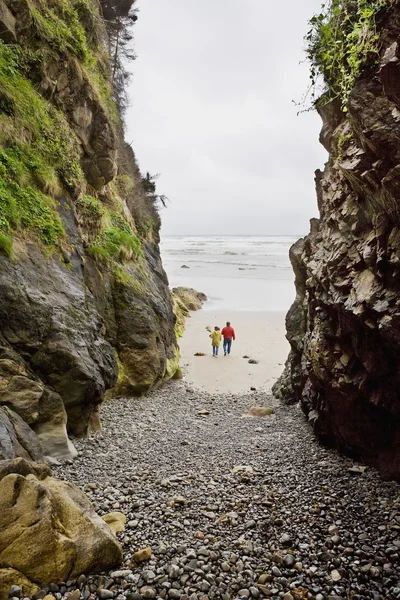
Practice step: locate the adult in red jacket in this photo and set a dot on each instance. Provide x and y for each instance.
(229, 335)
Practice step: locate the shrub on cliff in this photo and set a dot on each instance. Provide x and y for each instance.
(343, 38)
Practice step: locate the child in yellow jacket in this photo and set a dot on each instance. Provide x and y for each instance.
(216, 339)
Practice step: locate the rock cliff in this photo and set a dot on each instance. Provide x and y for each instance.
(344, 326)
(84, 300)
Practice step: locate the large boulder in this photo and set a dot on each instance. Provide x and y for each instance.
(11, 577)
(189, 298)
(39, 406)
(50, 532)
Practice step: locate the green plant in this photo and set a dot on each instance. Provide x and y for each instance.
(89, 207)
(116, 240)
(28, 208)
(99, 254)
(35, 135)
(122, 277)
(341, 143)
(5, 245)
(342, 40)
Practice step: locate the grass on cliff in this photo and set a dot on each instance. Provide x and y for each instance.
(61, 24)
(39, 154)
(115, 241)
(343, 39)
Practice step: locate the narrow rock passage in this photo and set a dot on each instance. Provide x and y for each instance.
(293, 522)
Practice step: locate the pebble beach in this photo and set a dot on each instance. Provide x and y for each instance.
(223, 505)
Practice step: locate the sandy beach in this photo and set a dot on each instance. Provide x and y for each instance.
(259, 335)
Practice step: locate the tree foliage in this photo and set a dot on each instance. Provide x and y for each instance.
(150, 188)
(119, 17)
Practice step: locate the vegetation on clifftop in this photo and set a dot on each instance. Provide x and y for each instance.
(342, 40)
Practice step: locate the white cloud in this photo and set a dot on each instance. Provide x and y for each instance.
(212, 112)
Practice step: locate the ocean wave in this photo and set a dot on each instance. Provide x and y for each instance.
(237, 264)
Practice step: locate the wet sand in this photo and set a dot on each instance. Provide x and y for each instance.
(259, 335)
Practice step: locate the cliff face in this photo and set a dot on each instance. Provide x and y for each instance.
(82, 287)
(344, 326)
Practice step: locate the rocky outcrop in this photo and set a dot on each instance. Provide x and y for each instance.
(17, 440)
(344, 327)
(84, 300)
(50, 532)
(189, 299)
(48, 529)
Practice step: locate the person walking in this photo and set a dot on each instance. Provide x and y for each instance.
(229, 335)
(216, 339)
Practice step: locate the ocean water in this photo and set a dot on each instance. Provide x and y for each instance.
(243, 273)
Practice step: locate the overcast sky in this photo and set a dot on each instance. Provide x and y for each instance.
(212, 112)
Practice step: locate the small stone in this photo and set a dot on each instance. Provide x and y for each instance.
(374, 572)
(261, 411)
(200, 535)
(288, 596)
(105, 594)
(75, 595)
(225, 567)
(276, 572)
(174, 594)
(332, 529)
(148, 592)
(243, 593)
(142, 555)
(336, 576)
(123, 574)
(289, 560)
(250, 524)
(174, 571)
(255, 593)
(15, 592)
(286, 540)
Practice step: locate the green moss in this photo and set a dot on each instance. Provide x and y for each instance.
(99, 254)
(61, 26)
(89, 207)
(34, 132)
(180, 317)
(342, 40)
(116, 240)
(122, 277)
(173, 367)
(342, 142)
(5, 245)
(28, 209)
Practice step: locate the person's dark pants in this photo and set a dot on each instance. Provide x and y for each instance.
(215, 350)
(227, 345)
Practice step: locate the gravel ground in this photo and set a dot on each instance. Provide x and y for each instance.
(233, 506)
